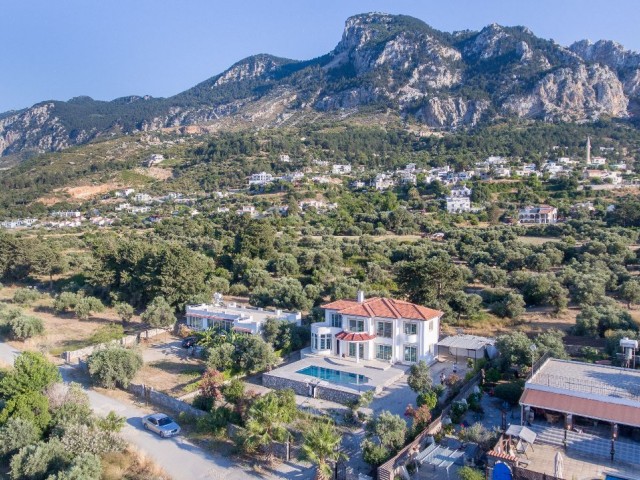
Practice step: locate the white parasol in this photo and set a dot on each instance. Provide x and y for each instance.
(559, 465)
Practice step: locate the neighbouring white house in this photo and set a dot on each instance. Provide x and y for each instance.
(382, 181)
(377, 329)
(142, 197)
(340, 169)
(458, 204)
(153, 160)
(284, 158)
(541, 214)
(261, 178)
(125, 193)
(231, 316)
(461, 192)
(66, 214)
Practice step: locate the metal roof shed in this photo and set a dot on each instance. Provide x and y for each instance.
(467, 346)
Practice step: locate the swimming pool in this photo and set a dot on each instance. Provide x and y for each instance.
(334, 376)
(610, 477)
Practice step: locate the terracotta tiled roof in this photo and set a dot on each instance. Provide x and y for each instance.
(501, 455)
(585, 407)
(383, 307)
(354, 337)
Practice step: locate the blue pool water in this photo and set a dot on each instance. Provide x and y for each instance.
(334, 376)
(609, 477)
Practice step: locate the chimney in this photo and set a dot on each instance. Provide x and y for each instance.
(360, 297)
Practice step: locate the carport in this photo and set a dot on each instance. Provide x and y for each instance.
(467, 346)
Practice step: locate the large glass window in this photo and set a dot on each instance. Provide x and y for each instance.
(384, 329)
(410, 353)
(352, 349)
(410, 328)
(356, 325)
(325, 341)
(314, 341)
(431, 322)
(383, 352)
(336, 320)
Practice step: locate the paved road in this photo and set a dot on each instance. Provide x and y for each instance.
(179, 458)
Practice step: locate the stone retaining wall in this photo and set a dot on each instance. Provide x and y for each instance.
(72, 355)
(162, 400)
(305, 389)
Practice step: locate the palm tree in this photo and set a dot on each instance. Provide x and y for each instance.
(321, 447)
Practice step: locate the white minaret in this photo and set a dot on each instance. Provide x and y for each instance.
(588, 150)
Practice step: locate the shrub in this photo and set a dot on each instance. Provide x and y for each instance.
(479, 434)
(114, 366)
(203, 403)
(25, 326)
(492, 375)
(509, 392)
(85, 306)
(112, 422)
(429, 399)
(17, 433)
(216, 421)
(458, 409)
(159, 313)
(468, 473)
(25, 296)
(35, 461)
(234, 391)
(65, 301)
(90, 439)
(31, 406)
(85, 466)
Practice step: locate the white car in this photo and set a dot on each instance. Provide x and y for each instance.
(161, 424)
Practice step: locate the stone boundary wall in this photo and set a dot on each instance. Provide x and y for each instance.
(72, 355)
(301, 388)
(389, 469)
(162, 400)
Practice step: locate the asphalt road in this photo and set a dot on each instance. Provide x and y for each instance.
(179, 458)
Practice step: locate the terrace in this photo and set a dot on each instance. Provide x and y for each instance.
(333, 378)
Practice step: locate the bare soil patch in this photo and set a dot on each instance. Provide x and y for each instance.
(155, 172)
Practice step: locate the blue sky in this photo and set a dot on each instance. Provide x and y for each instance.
(112, 48)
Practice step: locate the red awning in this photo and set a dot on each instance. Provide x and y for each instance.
(354, 337)
(585, 407)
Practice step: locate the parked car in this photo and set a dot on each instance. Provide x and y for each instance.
(161, 424)
(189, 342)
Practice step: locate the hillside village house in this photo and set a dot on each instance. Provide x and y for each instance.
(458, 204)
(542, 214)
(338, 169)
(381, 329)
(230, 316)
(261, 178)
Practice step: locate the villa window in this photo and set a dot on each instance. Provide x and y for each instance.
(325, 341)
(384, 329)
(410, 353)
(410, 328)
(431, 322)
(336, 320)
(314, 341)
(356, 325)
(383, 352)
(352, 349)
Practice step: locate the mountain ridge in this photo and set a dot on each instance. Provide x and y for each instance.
(382, 62)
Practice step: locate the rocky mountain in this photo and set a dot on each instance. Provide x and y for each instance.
(387, 63)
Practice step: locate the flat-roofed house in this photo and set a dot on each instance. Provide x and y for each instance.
(578, 390)
(231, 316)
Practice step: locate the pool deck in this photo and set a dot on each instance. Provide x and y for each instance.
(379, 374)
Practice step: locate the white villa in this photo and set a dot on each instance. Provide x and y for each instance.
(458, 204)
(230, 316)
(261, 178)
(542, 214)
(381, 329)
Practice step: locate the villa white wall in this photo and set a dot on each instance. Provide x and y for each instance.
(425, 338)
